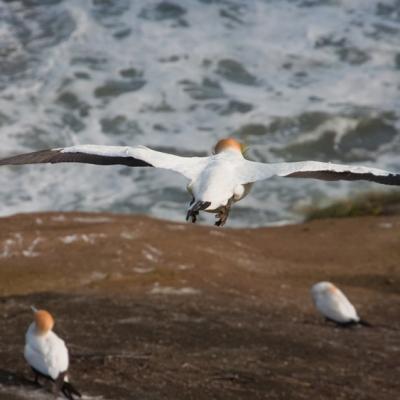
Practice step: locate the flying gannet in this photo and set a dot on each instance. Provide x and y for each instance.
(215, 182)
(47, 354)
(331, 302)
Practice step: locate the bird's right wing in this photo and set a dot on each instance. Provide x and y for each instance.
(36, 359)
(344, 305)
(330, 307)
(250, 171)
(139, 156)
(57, 358)
(337, 307)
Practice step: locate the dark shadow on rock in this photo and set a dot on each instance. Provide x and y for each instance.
(11, 378)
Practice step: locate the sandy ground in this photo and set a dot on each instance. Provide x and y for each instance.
(157, 310)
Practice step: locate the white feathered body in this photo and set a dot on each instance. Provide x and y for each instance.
(218, 181)
(46, 353)
(333, 304)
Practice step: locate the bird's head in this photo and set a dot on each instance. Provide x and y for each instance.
(229, 144)
(323, 288)
(44, 322)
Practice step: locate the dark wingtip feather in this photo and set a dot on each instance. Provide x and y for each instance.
(58, 156)
(37, 157)
(327, 175)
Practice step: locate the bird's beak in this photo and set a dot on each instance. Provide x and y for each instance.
(34, 309)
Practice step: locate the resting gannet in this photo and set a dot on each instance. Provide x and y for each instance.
(47, 354)
(215, 182)
(331, 302)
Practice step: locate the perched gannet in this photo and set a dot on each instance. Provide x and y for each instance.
(334, 305)
(215, 182)
(47, 354)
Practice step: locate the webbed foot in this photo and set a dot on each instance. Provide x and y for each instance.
(223, 214)
(194, 211)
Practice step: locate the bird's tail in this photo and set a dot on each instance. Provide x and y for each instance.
(200, 205)
(365, 323)
(69, 391)
(196, 207)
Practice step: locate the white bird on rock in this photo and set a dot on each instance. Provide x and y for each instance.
(331, 302)
(47, 354)
(215, 182)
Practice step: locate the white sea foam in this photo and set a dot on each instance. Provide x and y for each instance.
(55, 90)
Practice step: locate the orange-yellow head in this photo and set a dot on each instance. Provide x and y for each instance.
(228, 144)
(43, 320)
(332, 288)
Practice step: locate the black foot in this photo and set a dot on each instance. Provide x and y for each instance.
(58, 383)
(222, 220)
(223, 214)
(36, 382)
(193, 212)
(70, 391)
(36, 385)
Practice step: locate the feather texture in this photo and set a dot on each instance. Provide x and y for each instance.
(218, 180)
(333, 304)
(46, 353)
(251, 171)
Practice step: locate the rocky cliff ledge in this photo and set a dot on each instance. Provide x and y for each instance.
(158, 310)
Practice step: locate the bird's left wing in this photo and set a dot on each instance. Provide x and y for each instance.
(139, 156)
(36, 359)
(250, 171)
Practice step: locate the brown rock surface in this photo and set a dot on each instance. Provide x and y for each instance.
(158, 310)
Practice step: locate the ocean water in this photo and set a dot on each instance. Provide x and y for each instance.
(293, 79)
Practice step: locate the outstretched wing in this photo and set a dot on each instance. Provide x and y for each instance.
(250, 171)
(139, 156)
